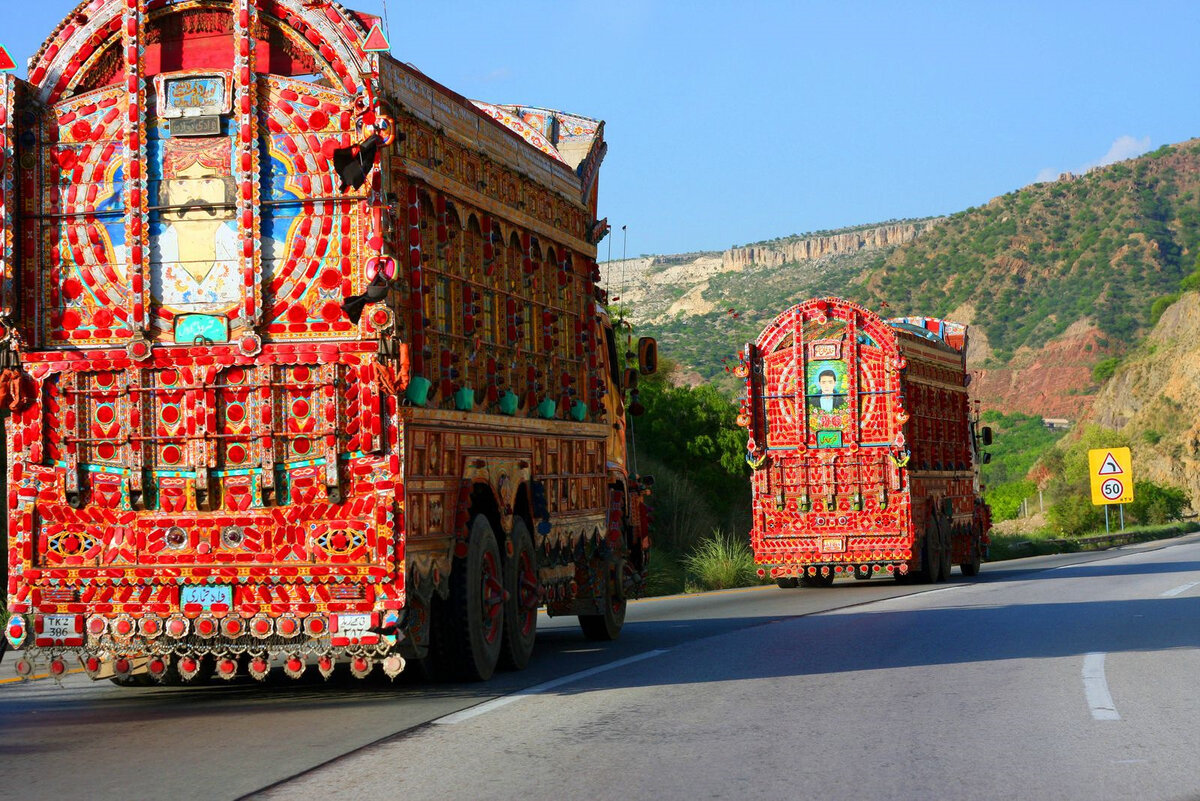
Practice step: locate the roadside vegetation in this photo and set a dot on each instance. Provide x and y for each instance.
(1041, 543)
(1020, 440)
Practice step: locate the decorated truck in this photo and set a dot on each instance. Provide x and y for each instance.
(303, 355)
(864, 447)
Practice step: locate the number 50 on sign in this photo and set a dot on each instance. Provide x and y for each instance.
(1111, 473)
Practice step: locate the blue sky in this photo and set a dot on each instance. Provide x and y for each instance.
(730, 122)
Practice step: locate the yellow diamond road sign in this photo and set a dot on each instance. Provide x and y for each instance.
(1111, 472)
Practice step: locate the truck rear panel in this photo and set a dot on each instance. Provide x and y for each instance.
(839, 404)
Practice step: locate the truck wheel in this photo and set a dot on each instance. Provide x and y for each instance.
(787, 582)
(607, 625)
(947, 555)
(476, 606)
(971, 567)
(931, 557)
(521, 606)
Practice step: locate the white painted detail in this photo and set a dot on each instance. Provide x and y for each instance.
(505, 700)
(352, 625)
(1182, 588)
(1095, 687)
(58, 627)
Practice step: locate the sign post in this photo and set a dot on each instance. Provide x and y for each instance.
(1111, 474)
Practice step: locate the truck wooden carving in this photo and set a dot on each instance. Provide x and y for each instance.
(306, 356)
(864, 447)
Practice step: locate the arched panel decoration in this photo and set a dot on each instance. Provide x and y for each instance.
(293, 38)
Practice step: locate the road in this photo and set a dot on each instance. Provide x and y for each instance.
(1073, 676)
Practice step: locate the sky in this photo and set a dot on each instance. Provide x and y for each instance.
(734, 122)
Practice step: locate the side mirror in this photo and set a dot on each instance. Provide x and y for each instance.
(987, 458)
(630, 379)
(646, 481)
(648, 355)
(987, 435)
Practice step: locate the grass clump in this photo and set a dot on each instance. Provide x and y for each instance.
(720, 562)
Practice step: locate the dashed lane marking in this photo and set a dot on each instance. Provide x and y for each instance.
(1095, 688)
(1182, 588)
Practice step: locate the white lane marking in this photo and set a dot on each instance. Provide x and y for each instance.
(1095, 687)
(1182, 588)
(496, 703)
(906, 596)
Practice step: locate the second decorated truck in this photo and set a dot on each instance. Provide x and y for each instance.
(864, 446)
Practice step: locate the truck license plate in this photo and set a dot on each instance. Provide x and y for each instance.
(833, 545)
(207, 596)
(59, 627)
(353, 625)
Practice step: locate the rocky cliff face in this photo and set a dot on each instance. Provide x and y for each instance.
(1154, 398)
(1050, 381)
(790, 251)
(658, 288)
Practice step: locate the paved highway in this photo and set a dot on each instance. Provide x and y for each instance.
(1074, 676)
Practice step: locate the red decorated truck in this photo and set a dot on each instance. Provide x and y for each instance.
(303, 353)
(864, 447)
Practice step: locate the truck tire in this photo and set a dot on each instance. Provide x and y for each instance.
(787, 582)
(475, 608)
(947, 554)
(975, 559)
(931, 557)
(521, 606)
(607, 625)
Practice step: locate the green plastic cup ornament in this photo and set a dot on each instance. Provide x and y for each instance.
(578, 411)
(547, 408)
(418, 390)
(464, 399)
(508, 402)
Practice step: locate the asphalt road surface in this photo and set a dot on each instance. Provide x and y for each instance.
(1074, 676)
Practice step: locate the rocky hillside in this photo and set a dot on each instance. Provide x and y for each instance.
(1154, 399)
(703, 306)
(1055, 278)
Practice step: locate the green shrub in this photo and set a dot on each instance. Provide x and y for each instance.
(1074, 516)
(1104, 369)
(1154, 504)
(1160, 305)
(1005, 499)
(720, 562)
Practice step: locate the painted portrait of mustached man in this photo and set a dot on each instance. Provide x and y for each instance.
(194, 238)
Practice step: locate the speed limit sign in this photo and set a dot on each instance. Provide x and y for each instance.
(1112, 489)
(1111, 473)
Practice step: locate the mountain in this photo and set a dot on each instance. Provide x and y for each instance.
(1153, 398)
(703, 306)
(1058, 279)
